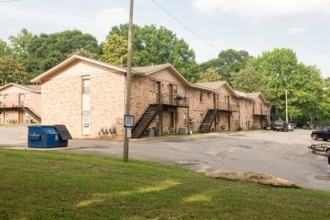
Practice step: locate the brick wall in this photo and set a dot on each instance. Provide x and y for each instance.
(145, 91)
(14, 96)
(62, 100)
(246, 113)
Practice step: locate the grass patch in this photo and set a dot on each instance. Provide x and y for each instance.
(59, 185)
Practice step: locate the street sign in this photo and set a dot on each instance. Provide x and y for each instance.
(129, 121)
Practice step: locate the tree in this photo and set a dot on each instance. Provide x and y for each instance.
(84, 53)
(152, 45)
(5, 50)
(210, 75)
(11, 71)
(228, 63)
(114, 50)
(21, 46)
(40, 53)
(22, 42)
(249, 80)
(282, 72)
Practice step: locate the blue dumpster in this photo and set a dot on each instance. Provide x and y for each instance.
(48, 136)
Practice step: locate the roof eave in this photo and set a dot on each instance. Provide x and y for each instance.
(19, 86)
(39, 79)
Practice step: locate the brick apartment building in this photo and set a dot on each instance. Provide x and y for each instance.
(88, 96)
(20, 104)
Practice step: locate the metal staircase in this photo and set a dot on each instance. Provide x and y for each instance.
(30, 112)
(145, 120)
(208, 120)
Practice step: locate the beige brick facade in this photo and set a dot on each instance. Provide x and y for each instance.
(62, 100)
(20, 104)
(88, 96)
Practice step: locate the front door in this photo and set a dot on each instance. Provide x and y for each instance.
(170, 92)
(158, 92)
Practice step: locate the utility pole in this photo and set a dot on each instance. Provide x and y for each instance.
(128, 79)
(286, 106)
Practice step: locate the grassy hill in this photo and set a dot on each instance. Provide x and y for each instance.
(60, 185)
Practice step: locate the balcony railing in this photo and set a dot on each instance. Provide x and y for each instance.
(226, 107)
(261, 112)
(175, 100)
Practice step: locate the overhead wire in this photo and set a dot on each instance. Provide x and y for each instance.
(6, 1)
(185, 26)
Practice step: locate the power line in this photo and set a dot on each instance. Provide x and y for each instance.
(185, 26)
(5, 1)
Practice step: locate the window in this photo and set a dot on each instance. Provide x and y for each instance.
(175, 90)
(151, 85)
(201, 96)
(5, 96)
(86, 85)
(154, 86)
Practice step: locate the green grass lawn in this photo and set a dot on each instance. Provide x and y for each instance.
(60, 185)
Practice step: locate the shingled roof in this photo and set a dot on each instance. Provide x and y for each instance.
(32, 88)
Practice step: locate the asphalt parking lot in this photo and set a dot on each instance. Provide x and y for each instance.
(283, 154)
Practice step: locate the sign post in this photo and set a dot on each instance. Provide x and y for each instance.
(128, 77)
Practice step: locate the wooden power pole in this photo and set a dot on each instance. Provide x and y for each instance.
(128, 79)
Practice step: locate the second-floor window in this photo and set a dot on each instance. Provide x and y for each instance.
(201, 97)
(154, 86)
(175, 90)
(86, 86)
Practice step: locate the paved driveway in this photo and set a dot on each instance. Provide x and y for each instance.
(282, 154)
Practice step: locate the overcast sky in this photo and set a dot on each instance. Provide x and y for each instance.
(213, 25)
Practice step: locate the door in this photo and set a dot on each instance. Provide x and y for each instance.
(158, 92)
(170, 92)
(215, 101)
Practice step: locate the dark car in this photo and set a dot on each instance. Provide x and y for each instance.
(280, 126)
(293, 124)
(324, 133)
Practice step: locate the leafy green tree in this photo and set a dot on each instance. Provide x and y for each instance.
(11, 71)
(21, 46)
(85, 53)
(152, 45)
(228, 63)
(283, 73)
(5, 49)
(22, 43)
(210, 75)
(114, 50)
(40, 53)
(249, 80)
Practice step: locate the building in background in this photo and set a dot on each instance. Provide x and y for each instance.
(88, 96)
(20, 104)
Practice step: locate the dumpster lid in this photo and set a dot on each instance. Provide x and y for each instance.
(63, 132)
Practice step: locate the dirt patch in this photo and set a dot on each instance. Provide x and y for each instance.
(261, 178)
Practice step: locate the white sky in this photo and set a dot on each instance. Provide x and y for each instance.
(251, 25)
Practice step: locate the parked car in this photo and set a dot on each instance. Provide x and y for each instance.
(280, 126)
(294, 125)
(290, 127)
(324, 133)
